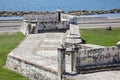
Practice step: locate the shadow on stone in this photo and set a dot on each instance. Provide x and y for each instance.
(83, 41)
(101, 69)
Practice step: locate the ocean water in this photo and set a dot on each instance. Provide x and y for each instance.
(52, 5)
(65, 5)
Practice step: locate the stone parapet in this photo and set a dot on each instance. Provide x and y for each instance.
(33, 71)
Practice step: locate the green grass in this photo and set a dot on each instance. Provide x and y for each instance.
(8, 41)
(101, 36)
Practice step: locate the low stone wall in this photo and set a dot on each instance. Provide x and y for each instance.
(45, 26)
(30, 70)
(100, 57)
(93, 46)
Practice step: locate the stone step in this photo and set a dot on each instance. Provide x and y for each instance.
(45, 45)
(52, 40)
(48, 48)
(50, 43)
(47, 53)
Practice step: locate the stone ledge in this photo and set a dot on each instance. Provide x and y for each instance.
(21, 66)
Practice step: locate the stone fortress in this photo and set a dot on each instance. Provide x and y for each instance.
(55, 50)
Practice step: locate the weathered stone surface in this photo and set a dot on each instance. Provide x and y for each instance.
(32, 61)
(73, 35)
(93, 58)
(85, 46)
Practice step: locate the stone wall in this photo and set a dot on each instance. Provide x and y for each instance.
(93, 46)
(41, 17)
(53, 25)
(30, 70)
(100, 57)
(43, 26)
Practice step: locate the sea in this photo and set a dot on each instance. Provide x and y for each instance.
(52, 5)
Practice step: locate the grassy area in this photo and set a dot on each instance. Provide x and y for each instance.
(9, 41)
(101, 36)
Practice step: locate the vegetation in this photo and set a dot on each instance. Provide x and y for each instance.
(8, 41)
(101, 36)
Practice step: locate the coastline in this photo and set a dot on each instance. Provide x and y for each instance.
(75, 12)
(21, 13)
(93, 12)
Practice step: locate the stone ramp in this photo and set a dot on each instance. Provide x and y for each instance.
(34, 49)
(32, 56)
